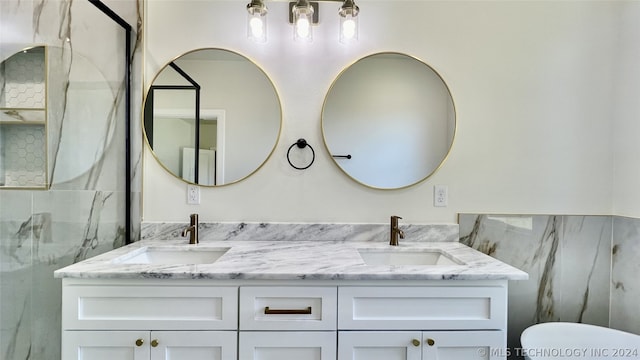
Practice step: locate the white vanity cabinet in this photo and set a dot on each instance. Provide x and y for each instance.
(283, 320)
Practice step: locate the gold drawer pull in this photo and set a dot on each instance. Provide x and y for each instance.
(415, 342)
(154, 343)
(139, 342)
(268, 311)
(430, 342)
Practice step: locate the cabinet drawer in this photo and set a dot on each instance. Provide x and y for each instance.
(119, 307)
(283, 345)
(422, 308)
(288, 308)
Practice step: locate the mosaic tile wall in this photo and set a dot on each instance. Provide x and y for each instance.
(22, 147)
(24, 76)
(23, 155)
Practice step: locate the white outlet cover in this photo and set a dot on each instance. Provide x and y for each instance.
(193, 195)
(440, 196)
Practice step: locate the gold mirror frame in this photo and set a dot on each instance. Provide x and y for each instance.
(279, 108)
(338, 157)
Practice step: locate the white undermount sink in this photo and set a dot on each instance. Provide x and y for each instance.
(415, 257)
(172, 256)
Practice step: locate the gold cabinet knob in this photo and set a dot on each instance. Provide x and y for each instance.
(430, 342)
(139, 342)
(154, 343)
(415, 342)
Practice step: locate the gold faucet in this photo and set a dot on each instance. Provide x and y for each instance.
(395, 231)
(192, 229)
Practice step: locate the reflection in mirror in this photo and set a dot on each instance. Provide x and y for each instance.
(83, 115)
(218, 102)
(56, 117)
(23, 117)
(388, 121)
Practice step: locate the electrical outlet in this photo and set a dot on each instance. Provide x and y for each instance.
(440, 196)
(193, 195)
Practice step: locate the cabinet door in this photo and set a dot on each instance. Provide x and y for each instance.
(379, 345)
(463, 345)
(283, 345)
(193, 345)
(105, 345)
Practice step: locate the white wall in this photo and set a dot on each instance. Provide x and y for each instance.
(535, 87)
(626, 119)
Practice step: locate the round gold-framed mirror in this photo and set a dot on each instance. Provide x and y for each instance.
(389, 121)
(217, 101)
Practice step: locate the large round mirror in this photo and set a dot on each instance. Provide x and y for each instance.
(57, 116)
(218, 102)
(389, 121)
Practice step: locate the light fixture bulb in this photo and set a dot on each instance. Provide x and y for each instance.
(257, 27)
(257, 21)
(302, 20)
(303, 28)
(349, 29)
(348, 21)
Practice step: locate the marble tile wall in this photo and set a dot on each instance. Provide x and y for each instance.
(82, 213)
(625, 282)
(581, 268)
(298, 232)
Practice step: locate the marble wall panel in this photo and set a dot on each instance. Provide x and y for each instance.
(16, 316)
(83, 224)
(567, 259)
(586, 269)
(625, 282)
(90, 154)
(15, 274)
(291, 231)
(529, 243)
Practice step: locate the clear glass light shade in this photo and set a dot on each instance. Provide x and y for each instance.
(348, 29)
(257, 22)
(348, 22)
(257, 28)
(302, 20)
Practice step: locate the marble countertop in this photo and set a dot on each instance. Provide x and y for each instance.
(294, 260)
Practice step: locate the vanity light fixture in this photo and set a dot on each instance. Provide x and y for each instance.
(303, 14)
(257, 21)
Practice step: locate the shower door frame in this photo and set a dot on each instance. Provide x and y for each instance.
(128, 30)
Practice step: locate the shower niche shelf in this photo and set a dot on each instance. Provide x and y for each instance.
(23, 119)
